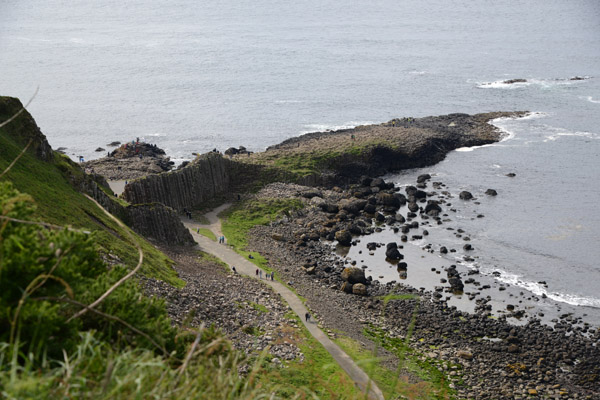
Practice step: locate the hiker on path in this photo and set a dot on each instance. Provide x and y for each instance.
(257, 272)
(233, 269)
(272, 275)
(260, 273)
(307, 316)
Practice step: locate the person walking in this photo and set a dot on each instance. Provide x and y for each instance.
(233, 269)
(260, 273)
(307, 317)
(257, 272)
(272, 275)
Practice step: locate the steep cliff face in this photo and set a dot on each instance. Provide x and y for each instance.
(24, 128)
(158, 223)
(153, 221)
(207, 177)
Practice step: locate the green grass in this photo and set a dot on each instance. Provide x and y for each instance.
(318, 373)
(435, 385)
(259, 307)
(57, 201)
(208, 233)
(239, 219)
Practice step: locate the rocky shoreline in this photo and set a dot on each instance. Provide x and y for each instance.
(493, 358)
(481, 353)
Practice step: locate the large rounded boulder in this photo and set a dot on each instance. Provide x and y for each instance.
(354, 275)
(344, 237)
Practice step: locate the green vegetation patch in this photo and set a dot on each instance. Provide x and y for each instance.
(58, 202)
(318, 373)
(435, 386)
(238, 220)
(208, 233)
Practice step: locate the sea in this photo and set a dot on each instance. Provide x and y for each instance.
(192, 76)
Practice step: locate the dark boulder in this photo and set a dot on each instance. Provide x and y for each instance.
(372, 246)
(329, 208)
(344, 237)
(388, 200)
(366, 181)
(353, 206)
(420, 194)
(413, 207)
(410, 190)
(401, 198)
(491, 192)
(354, 275)
(393, 254)
(433, 208)
(370, 208)
(423, 178)
(231, 151)
(464, 195)
(378, 182)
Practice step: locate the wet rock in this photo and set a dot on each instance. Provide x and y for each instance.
(413, 207)
(433, 208)
(100, 149)
(114, 144)
(444, 250)
(464, 195)
(491, 192)
(423, 178)
(511, 174)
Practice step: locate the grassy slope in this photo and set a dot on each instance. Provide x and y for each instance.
(59, 203)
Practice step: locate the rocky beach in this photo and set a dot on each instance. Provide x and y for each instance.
(485, 337)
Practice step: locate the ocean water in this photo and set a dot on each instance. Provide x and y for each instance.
(192, 76)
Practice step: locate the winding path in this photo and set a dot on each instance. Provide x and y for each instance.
(246, 267)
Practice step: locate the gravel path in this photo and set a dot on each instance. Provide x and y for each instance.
(245, 267)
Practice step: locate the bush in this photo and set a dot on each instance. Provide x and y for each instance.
(45, 272)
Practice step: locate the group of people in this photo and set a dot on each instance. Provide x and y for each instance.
(187, 213)
(221, 239)
(259, 274)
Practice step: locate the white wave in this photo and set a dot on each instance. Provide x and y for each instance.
(76, 40)
(503, 85)
(507, 134)
(544, 83)
(540, 290)
(591, 100)
(416, 72)
(156, 134)
(474, 147)
(557, 133)
(327, 128)
(288, 101)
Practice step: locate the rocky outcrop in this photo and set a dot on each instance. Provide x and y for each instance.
(24, 129)
(131, 160)
(158, 223)
(209, 176)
